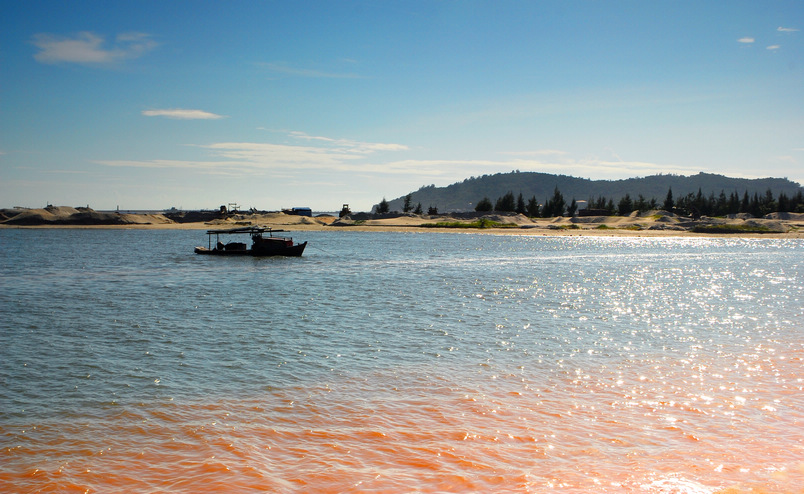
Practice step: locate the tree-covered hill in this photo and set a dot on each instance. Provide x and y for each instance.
(464, 196)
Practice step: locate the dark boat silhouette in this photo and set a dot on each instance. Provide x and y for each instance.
(261, 245)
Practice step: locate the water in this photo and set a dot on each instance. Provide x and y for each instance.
(399, 362)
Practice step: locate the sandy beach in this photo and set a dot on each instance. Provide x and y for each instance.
(652, 223)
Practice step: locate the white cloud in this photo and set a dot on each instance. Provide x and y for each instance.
(250, 157)
(265, 155)
(343, 156)
(773, 47)
(352, 146)
(255, 159)
(540, 152)
(587, 167)
(65, 172)
(312, 73)
(788, 159)
(786, 29)
(182, 114)
(89, 48)
(746, 40)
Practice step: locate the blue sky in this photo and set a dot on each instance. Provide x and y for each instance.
(149, 105)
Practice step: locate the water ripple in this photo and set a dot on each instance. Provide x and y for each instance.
(399, 362)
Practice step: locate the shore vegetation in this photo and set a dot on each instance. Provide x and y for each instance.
(478, 224)
(731, 229)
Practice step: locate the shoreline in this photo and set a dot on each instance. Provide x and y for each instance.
(390, 227)
(650, 224)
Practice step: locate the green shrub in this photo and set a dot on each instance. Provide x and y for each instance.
(732, 229)
(480, 224)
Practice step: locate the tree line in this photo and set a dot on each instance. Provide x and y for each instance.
(383, 207)
(691, 204)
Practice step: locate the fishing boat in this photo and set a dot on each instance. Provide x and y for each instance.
(263, 243)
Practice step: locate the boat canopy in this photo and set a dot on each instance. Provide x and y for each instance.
(244, 229)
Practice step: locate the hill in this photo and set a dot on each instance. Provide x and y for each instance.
(462, 196)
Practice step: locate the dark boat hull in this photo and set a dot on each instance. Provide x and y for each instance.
(261, 251)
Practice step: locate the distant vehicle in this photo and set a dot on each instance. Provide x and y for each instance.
(261, 245)
(299, 211)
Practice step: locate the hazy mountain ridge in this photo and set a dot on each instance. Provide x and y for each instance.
(463, 196)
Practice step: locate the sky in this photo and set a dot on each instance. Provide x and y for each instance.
(277, 104)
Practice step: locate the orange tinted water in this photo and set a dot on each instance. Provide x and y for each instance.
(642, 426)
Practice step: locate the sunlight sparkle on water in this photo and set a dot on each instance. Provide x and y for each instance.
(459, 363)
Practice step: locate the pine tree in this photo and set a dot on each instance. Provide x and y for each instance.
(555, 205)
(382, 207)
(484, 205)
(641, 203)
(573, 207)
(625, 206)
(505, 203)
(533, 207)
(734, 203)
(520, 204)
(407, 207)
(669, 205)
(745, 205)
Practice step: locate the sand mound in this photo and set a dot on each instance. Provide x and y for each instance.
(785, 216)
(653, 223)
(271, 220)
(774, 226)
(64, 215)
(656, 213)
(518, 219)
(40, 216)
(589, 219)
(602, 219)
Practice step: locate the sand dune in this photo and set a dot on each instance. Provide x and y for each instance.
(653, 223)
(65, 215)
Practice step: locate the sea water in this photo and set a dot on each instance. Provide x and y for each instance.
(401, 362)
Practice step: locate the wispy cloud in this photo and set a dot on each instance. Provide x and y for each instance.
(64, 172)
(182, 114)
(350, 145)
(326, 153)
(254, 159)
(786, 29)
(91, 49)
(323, 153)
(585, 167)
(773, 47)
(284, 69)
(539, 152)
(267, 156)
(746, 40)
